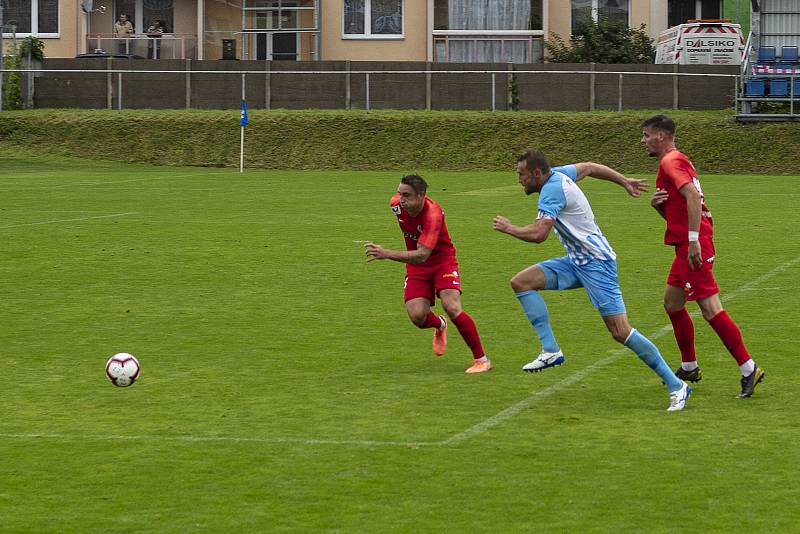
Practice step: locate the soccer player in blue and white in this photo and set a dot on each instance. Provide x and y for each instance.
(590, 262)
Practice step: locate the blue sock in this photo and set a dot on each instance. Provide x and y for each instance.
(648, 353)
(536, 311)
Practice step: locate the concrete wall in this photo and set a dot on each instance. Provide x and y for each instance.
(579, 88)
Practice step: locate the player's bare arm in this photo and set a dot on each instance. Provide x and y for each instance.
(376, 252)
(533, 233)
(694, 205)
(657, 201)
(634, 186)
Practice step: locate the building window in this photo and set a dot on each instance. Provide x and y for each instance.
(32, 17)
(614, 10)
(373, 18)
(478, 15)
(681, 11)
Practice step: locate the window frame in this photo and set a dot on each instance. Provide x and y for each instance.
(595, 8)
(368, 35)
(35, 24)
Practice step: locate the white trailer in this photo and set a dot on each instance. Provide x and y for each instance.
(701, 43)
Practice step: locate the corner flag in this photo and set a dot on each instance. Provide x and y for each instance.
(245, 121)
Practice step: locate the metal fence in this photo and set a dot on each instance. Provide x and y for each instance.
(356, 86)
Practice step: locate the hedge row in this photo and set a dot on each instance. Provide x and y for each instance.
(394, 140)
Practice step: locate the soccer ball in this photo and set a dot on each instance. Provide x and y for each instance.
(122, 369)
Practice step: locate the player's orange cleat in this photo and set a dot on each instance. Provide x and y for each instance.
(479, 366)
(440, 338)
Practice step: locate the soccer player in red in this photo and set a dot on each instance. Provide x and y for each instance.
(679, 200)
(431, 269)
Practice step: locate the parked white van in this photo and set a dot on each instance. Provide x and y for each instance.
(701, 43)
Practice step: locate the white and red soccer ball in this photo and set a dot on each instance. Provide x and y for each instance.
(123, 369)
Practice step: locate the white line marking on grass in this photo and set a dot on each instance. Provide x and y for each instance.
(56, 221)
(472, 431)
(205, 439)
(514, 409)
(489, 191)
(25, 187)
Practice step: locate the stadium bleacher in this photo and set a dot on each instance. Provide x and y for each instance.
(766, 54)
(789, 54)
(763, 81)
(754, 87)
(779, 87)
(769, 81)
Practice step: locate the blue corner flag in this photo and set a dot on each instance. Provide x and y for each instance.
(245, 121)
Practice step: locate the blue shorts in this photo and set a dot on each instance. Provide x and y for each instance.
(598, 277)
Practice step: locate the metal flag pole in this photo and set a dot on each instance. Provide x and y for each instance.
(242, 124)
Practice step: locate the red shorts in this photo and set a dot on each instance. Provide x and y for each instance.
(428, 285)
(697, 284)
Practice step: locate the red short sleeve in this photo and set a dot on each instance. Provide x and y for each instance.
(678, 170)
(432, 225)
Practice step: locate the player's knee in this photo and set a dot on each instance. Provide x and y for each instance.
(619, 332)
(671, 307)
(518, 284)
(619, 335)
(453, 309)
(418, 319)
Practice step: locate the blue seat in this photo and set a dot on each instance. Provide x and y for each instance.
(766, 54)
(779, 87)
(789, 54)
(754, 87)
(796, 88)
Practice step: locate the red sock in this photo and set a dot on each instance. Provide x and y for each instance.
(730, 335)
(683, 327)
(468, 330)
(431, 321)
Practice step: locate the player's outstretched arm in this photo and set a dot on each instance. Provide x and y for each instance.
(533, 233)
(635, 187)
(376, 252)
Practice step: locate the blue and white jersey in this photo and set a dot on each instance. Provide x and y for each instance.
(562, 200)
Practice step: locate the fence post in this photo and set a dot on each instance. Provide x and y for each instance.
(509, 88)
(619, 102)
(347, 90)
(119, 90)
(268, 85)
(428, 86)
(188, 79)
(109, 88)
(494, 91)
(675, 86)
(29, 81)
(592, 87)
(367, 91)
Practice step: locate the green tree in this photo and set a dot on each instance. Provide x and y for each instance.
(602, 41)
(12, 64)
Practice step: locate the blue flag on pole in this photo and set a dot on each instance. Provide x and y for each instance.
(245, 121)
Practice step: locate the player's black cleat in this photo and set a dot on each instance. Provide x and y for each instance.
(695, 375)
(750, 382)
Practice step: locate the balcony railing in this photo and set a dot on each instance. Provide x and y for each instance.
(488, 46)
(168, 46)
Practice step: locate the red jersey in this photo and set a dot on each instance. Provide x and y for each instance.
(675, 172)
(429, 230)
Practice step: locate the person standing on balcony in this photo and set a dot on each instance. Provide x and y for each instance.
(123, 29)
(154, 31)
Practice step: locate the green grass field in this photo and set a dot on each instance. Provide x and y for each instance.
(284, 389)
